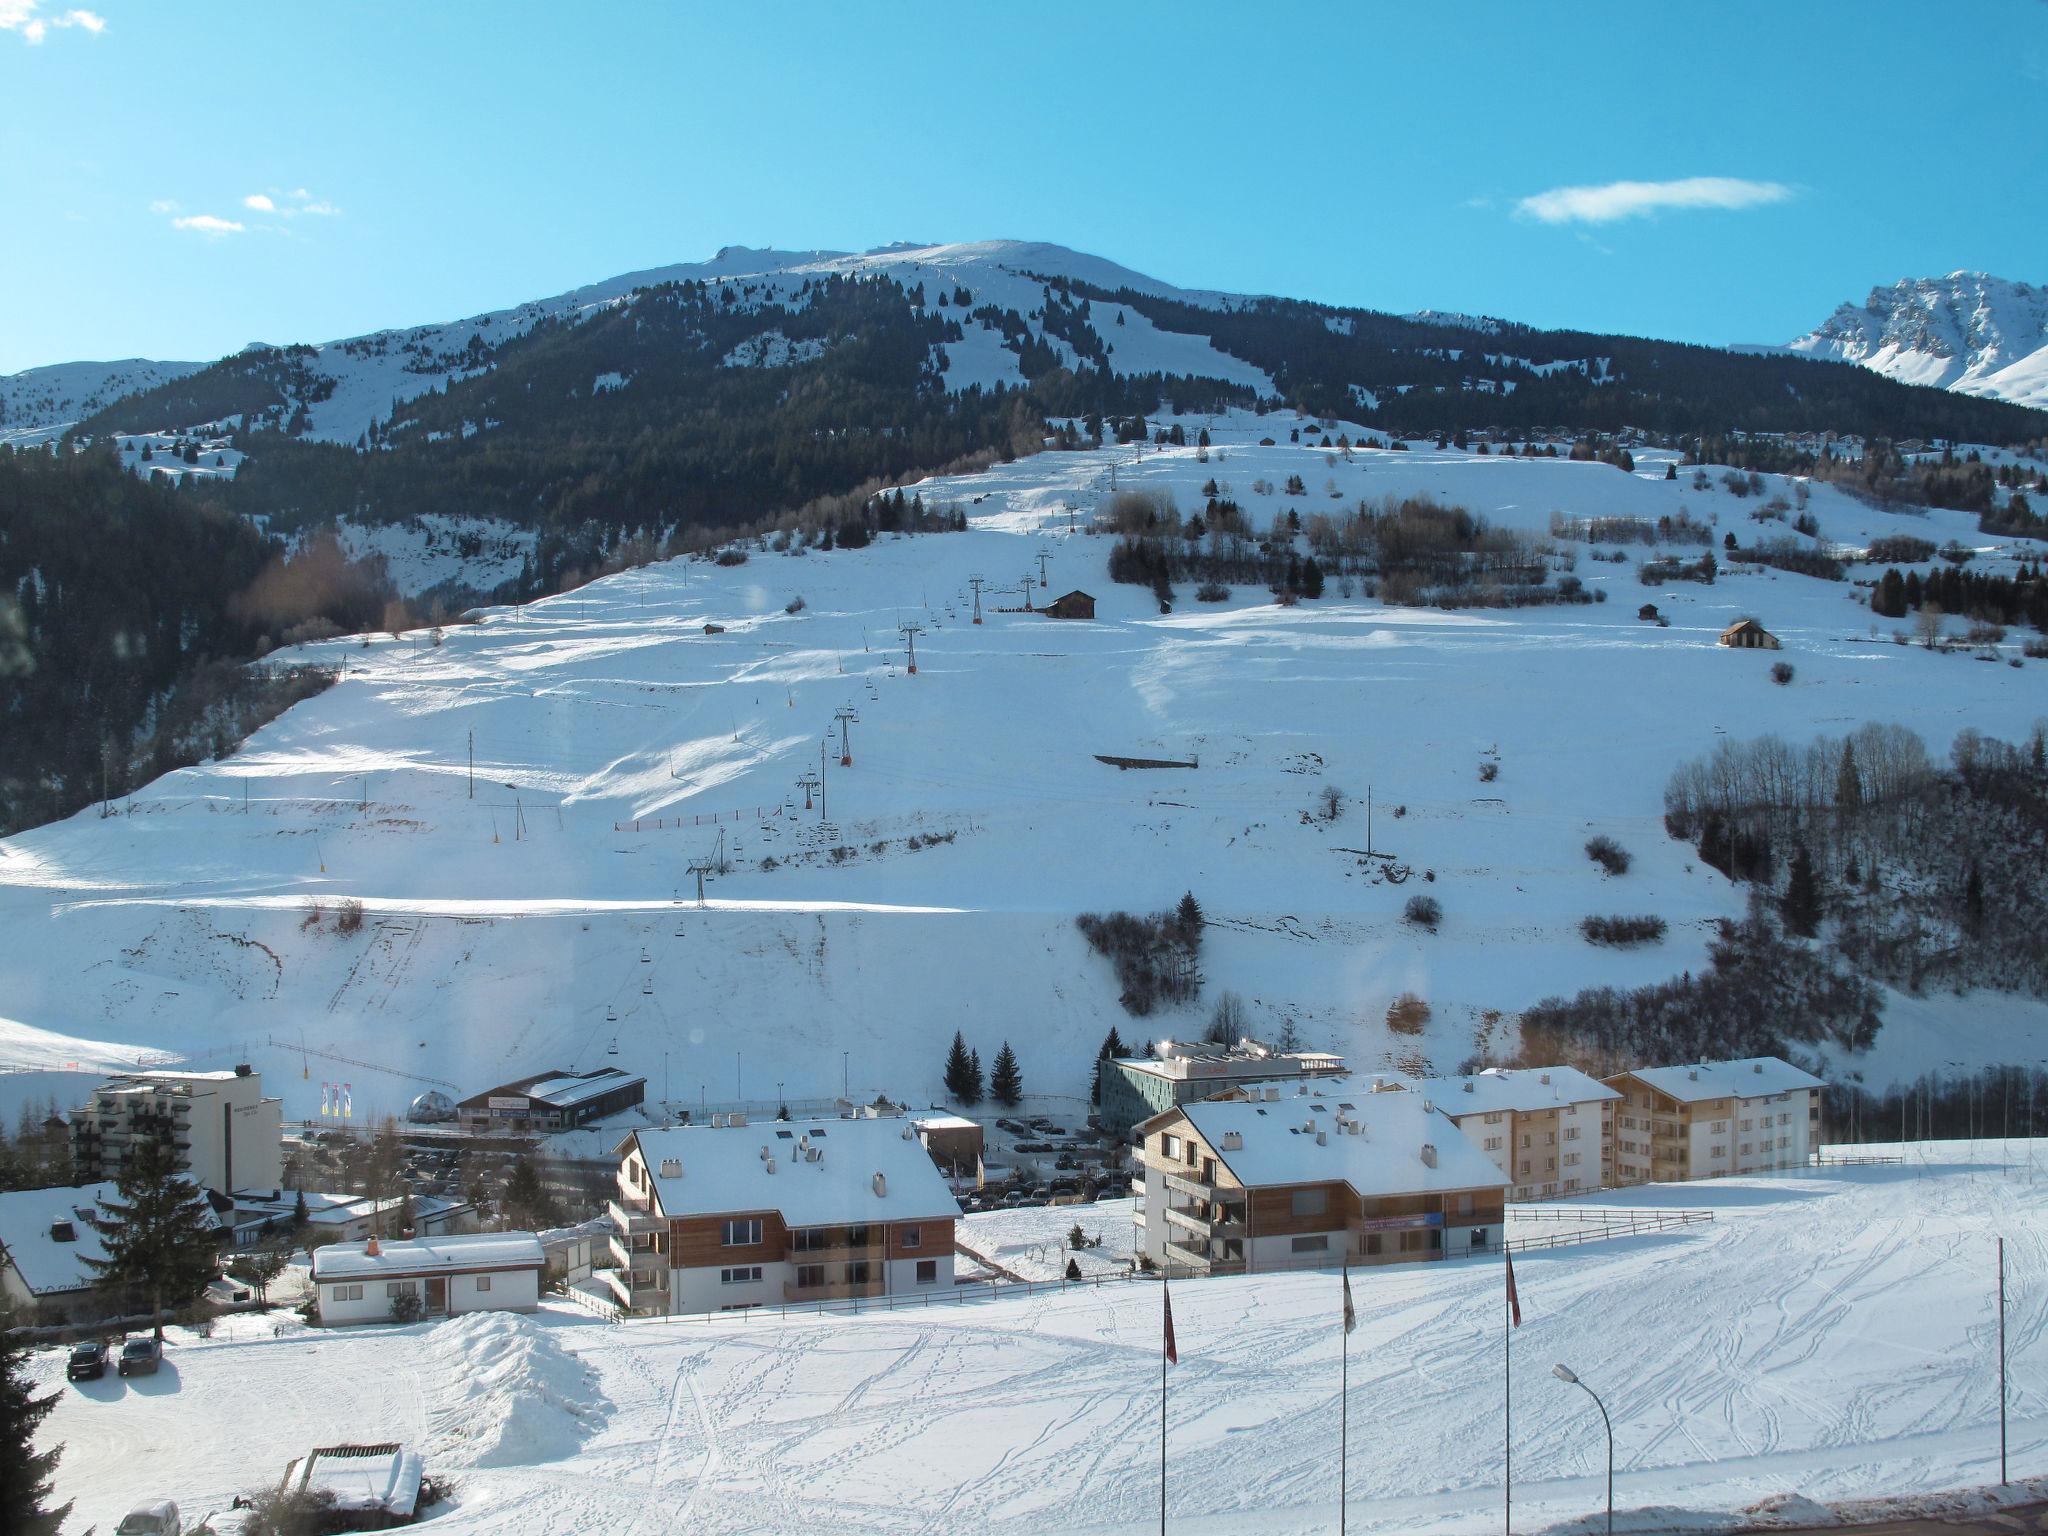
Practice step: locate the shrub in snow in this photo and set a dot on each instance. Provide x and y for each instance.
(1407, 1014)
(1424, 912)
(1781, 672)
(1608, 854)
(1623, 931)
(1488, 771)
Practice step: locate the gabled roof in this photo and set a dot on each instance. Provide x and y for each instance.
(47, 1266)
(1511, 1088)
(1753, 1077)
(429, 1256)
(1277, 1146)
(723, 1169)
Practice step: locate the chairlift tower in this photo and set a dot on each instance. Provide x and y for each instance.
(808, 783)
(1026, 588)
(1042, 556)
(700, 868)
(910, 632)
(977, 582)
(846, 716)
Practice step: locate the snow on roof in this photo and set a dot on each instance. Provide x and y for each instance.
(567, 1090)
(1511, 1088)
(430, 1255)
(866, 1170)
(1753, 1077)
(1276, 1148)
(46, 1265)
(939, 1120)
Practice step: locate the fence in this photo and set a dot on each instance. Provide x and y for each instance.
(701, 819)
(1641, 1223)
(960, 1294)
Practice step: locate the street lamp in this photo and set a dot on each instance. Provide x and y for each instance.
(1564, 1373)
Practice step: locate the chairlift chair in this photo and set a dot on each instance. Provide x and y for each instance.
(611, 1014)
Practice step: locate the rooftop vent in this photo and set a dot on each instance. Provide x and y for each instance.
(1468, 1085)
(1272, 1093)
(1427, 1107)
(813, 1154)
(718, 1122)
(243, 1069)
(671, 1167)
(1757, 1067)
(1543, 1078)
(909, 1133)
(63, 1232)
(1322, 1138)
(1693, 1073)
(770, 1165)
(881, 1185)
(765, 1153)
(735, 1118)
(1428, 1154)
(1233, 1141)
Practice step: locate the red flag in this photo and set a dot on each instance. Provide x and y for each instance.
(1172, 1354)
(1514, 1300)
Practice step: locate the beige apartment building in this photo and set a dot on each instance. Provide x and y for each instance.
(1234, 1186)
(223, 1133)
(1547, 1129)
(1714, 1118)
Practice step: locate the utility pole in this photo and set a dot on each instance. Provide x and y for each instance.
(910, 632)
(472, 762)
(977, 582)
(1368, 820)
(824, 747)
(845, 716)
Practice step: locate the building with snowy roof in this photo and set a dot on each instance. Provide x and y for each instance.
(480, 1272)
(1546, 1128)
(221, 1131)
(1135, 1088)
(1714, 1118)
(551, 1101)
(738, 1214)
(1272, 1181)
(45, 1245)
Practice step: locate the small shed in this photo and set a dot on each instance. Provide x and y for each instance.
(1748, 635)
(1075, 605)
(1648, 613)
(714, 629)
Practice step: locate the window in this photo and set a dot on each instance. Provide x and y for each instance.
(1718, 1151)
(1307, 1202)
(1465, 1204)
(857, 1272)
(927, 1271)
(1493, 1143)
(483, 1282)
(742, 1274)
(913, 1237)
(1493, 1119)
(738, 1306)
(810, 1277)
(1571, 1159)
(1372, 1244)
(857, 1237)
(397, 1287)
(743, 1234)
(1550, 1138)
(1720, 1127)
(348, 1293)
(1318, 1243)
(1746, 1149)
(1571, 1133)
(1169, 1146)
(807, 1239)
(1525, 1139)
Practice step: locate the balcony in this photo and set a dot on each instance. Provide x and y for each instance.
(1229, 1224)
(1184, 1257)
(634, 1217)
(1138, 1185)
(838, 1243)
(646, 1291)
(1195, 1189)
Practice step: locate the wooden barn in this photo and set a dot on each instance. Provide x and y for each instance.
(1648, 613)
(1748, 635)
(1075, 605)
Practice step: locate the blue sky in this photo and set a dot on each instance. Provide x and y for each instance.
(423, 162)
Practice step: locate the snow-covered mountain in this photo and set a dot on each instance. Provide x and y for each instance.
(1969, 331)
(37, 399)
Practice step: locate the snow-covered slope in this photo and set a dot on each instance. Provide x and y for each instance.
(549, 918)
(37, 401)
(1969, 331)
(1825, 1337)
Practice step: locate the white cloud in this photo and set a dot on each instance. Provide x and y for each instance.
(259, 203)
(207, 224)
(21, 16)
(319, 208)
(164, 205)
(1618, 200)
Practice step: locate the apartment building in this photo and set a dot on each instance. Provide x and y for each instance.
(1713, 1118)
(225, 1134)
(1234, 1186)
(1135, 1088)
(733, 1214)
(1546, 1128)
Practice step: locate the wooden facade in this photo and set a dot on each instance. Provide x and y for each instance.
(1075, 605)
(1748, 635)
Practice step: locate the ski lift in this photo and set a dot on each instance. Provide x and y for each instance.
(611, 1014)
(647, 987)
(679, 931)
(645, 958)
(613, 1048)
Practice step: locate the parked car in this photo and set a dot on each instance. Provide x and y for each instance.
(141, 1357)
(154, 1517)
(88, 1361)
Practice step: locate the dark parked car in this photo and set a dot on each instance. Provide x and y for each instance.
(88, 1362)
(140, 1357)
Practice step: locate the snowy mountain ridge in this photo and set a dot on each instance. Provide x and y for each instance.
(1969, 332)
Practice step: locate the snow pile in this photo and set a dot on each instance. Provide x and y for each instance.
(508, 1394)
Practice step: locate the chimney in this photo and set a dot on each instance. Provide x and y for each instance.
(736, 1118)
(1322, 1138)
(1428, 1155)
(770, 1165)
(1468, 1084)
(671, 1167)
(1757, 1067)
(1693, 1073)
(243, 1069)
(370, 1248)
(1427, 1107)
(1544, 1079)
(881, 1185)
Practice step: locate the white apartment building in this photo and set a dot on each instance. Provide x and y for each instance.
(224, 1133)
(1546, 1129)
(1714, 1118)
(730, 1215)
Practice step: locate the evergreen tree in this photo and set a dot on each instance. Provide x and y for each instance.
(25, 1472)
(1802, 895)
(1112, 1045)
(1311, 578)
(158, 1234)
(1006, 1082)
(962, 1081)
(1188, 915)
(1848, 784)
(1973, 901)
(975, 1091)
(301, 1218)
(527, 1201)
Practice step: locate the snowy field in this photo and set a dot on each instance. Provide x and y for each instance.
(1033, 1242)
(545, 917)
(1830, 1335)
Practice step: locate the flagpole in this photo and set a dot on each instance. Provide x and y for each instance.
(1344, 1415)
(1164, 1360)
(1507, 1395)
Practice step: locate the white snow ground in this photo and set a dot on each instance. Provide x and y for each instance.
(507, 930)
(1830, 1335)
